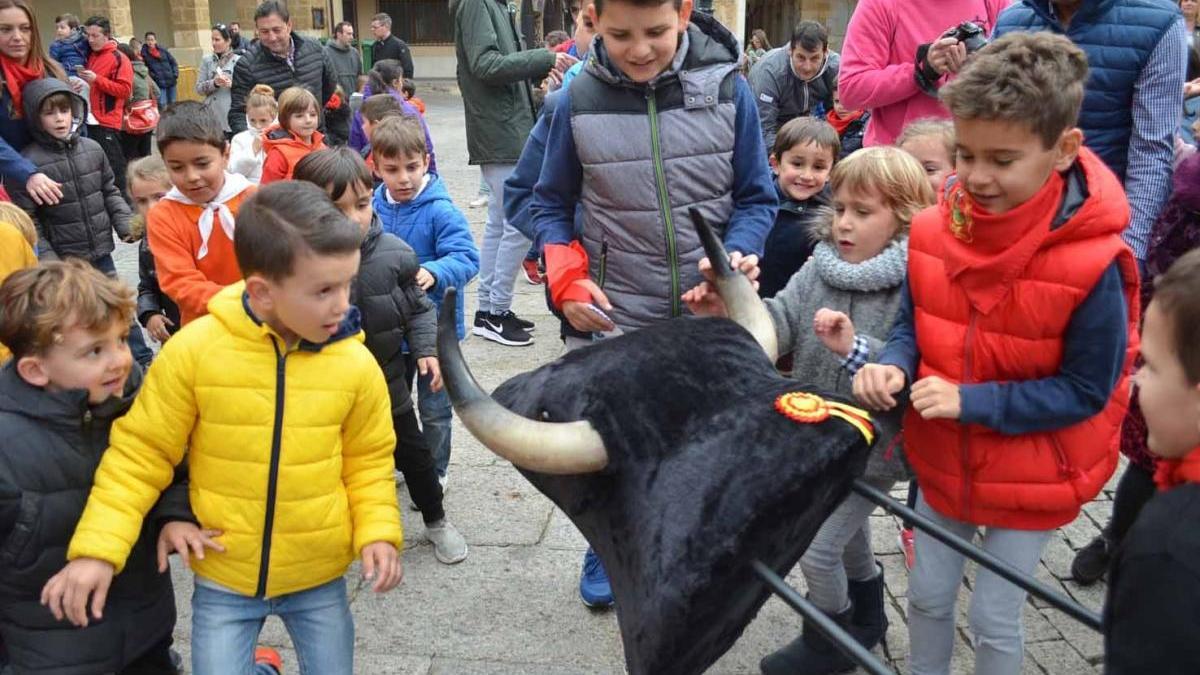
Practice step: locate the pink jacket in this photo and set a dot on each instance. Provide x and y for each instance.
(880, 50)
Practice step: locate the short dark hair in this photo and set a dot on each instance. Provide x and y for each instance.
(638, 3)
(268, 7)
(69, 19)
(810, 36)
(234, 23)
(282, 221)
(189, 121)
(335, 170)
(397, 136)
(342, 25)
(805, 130)
(59, 100)
(148, 33)
(408, 88)
(378, 106)
(102, 22)
(1177, 295)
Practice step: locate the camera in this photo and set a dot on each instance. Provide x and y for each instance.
(970, 34)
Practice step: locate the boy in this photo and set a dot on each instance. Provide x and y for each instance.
(374, 109)
(1018, 334)
(296, 496)
(415, 206)
(410, 94)
(850, 125)
(1153, 603)
(191, 229)
(650, 75)
(71, 376)
(70, 49)
(805, 151)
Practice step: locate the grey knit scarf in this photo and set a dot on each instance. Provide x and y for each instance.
(886, 270)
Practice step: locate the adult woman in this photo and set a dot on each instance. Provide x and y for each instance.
(1190, 9)
(759, 46)
(134, 146)
(22, 60)
(216, 75)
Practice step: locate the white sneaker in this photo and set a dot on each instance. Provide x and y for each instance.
(479, 202)
(449, 546)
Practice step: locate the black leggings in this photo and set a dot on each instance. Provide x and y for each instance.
(1135, 488)
(156, 661)
(415, 461)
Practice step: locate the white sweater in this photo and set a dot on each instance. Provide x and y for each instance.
(243, 159)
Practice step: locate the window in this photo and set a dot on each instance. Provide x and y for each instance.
(420, 22)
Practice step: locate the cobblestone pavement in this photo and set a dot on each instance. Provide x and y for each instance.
(513, 607)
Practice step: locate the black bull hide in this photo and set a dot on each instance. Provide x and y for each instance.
(703, 477)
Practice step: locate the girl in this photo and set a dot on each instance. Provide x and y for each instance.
(835, 314)
(216, 75)
(246, 154)
(387, 77)
(159, 315)
(294, 136)
(18, 247)
(931, 141)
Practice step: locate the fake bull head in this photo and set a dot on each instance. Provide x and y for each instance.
(665, 449)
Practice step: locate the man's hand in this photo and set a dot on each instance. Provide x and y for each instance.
(43, 190)
(580, 314)
(836, 331)
(87, 76)
(157, 327)
(427, 365)
(947, 55)
(187, 540)
(381, 564)
(66, 593)
(563, 61)
(876, 385)
(425, 279)
(936, 398)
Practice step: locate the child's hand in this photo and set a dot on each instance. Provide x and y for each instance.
(876, 385)
(936, 398)
(581, 317)
(157, 327)
(704, 300)
(381, 564)
(836, 331)
(185, 539)
(746, 264)
(66, 593)
(257, 144)
(424, 279)
(427, 365)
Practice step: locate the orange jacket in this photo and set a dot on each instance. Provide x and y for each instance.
(174, 235)
(1001, 317)
(283, 150)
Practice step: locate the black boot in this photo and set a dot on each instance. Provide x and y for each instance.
(1091, 561)
(869, 622)
(811, 654)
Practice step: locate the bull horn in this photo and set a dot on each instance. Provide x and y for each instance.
(544, 447)
(741, 300)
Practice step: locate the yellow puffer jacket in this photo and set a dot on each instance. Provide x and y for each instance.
(289, 454)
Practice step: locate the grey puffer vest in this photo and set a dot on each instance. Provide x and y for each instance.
(645, 164)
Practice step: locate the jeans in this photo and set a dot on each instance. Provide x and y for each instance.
(110, 140)
(841, 551)
(226, 625)
(503, 246)
(414, 460)
(166, 96)
(995, 611)
(137, 340)
(436, 414)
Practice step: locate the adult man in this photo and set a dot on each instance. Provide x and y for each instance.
(388, 46)
(281, 59)
(793, 81)
(164, 69)
(109, 74)
(235, 37)
(493, 75)
(347, 66)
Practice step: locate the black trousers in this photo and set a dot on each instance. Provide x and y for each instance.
(110, 140)
(156, 661)
(415, 461)
(1135, 488)
(135, 146)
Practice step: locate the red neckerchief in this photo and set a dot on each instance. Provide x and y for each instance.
(16, 76)
(841, 123)
(984, 253)
(154, 51)
(1173, 472)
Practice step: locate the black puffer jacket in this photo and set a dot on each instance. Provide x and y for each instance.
(394, 308)
(151, 300)
(311, 69)
(81, 224)
(53, 444)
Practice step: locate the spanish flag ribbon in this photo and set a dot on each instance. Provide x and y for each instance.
(806, 408)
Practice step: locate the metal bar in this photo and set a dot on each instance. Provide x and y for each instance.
(836, 634)
(1068, 606)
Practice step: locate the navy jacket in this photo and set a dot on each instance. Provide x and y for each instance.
(164, 70)
(790, 242)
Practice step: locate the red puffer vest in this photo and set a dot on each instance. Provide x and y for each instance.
(999, 314)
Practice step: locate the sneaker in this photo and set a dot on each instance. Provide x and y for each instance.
(525, 324)
(176, 661)
(907, 541)
(532, 275)
(502, 328)
(594, 589)
(449, 546)
(479, 202)
(265, 656)
(1091, 562)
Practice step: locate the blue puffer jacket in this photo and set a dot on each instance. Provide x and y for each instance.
(70, 51)
(439, 233)
(1118, 37)
(164, 69)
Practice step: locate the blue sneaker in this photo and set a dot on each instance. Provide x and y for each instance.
(594, 588)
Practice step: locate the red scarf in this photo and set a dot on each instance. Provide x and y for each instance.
(16, 76)
(154, 51)
(987, 252)
(1173, 472)
(841, 123)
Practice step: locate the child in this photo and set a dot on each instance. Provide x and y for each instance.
(1154, 583)
(374, 109)
(387, 77)
(190, 231)
(410, 95)
(81, 224)
(71, 376)
(70, 49)
(805, 151)
(395, 313)
(18, 247)
(149, 183)
(832, 315)
(1017, 334)
(294, 497)
(850, 125)
(413, 204)
(246, 155)
(295, 136)
(611, 119)
(931, 141)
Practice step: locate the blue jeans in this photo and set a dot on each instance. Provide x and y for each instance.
(225, 627)
(137, 341)
(436, 413)
(166, 95)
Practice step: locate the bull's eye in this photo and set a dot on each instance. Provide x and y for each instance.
(545, 415)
